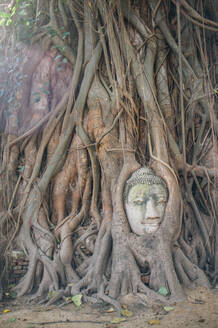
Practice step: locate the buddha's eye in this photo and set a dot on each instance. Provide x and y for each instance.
(138, 203)
(161, 202)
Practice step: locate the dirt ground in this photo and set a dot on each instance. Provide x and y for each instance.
(199, 311)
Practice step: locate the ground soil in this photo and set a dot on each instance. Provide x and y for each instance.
(199, 311)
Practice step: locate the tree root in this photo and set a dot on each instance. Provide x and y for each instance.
(98, 263)
(189, 274)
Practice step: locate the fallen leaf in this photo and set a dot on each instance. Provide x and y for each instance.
(126, 313)
(77, 300)
(52, 294)
(154, 322)
(6, 311)
(195, 300)
(111, 309)
(12, 319)
(117, 320)
(124, 306)
(169, 308)
(163, 291)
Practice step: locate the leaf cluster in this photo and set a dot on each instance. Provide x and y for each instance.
(20, 19)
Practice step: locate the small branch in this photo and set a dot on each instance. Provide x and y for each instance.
(159, 160)
(161, 22)
(202, 171)
(77, 68)
(199, 24)
(156, 9)
(110, 128)
(106, 56)
(113, 43)
(130, 15)
(121, 149)
(181, 91)
(63, 13)
(57, 39)
(192, 12)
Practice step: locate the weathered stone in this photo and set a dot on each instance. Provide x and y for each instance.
(145, 199)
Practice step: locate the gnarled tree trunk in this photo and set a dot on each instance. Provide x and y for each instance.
(101, 89)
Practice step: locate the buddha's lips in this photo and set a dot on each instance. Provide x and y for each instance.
(151, 221)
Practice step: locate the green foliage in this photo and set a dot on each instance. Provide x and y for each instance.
(7, 17)
(62, 60)
(65, 34)
(60, 48)
(20, 19)
(44, 89)
(51, 32)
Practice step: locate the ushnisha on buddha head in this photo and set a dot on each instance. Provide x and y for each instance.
(145, 199)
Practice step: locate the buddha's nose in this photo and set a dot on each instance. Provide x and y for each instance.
(151, 212)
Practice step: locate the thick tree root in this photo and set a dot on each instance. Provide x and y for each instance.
(190, 275)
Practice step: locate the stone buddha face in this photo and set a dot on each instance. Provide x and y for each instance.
(145, 198)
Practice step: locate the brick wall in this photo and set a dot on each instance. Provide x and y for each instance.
(18, 265)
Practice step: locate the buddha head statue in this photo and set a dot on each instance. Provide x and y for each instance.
(145, 198)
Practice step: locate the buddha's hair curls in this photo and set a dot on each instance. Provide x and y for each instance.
(144, 175)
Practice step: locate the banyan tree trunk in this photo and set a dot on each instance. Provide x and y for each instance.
(102, 89)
